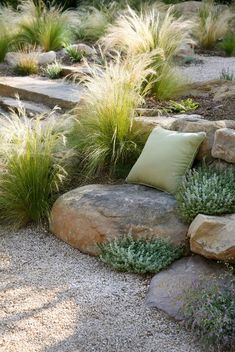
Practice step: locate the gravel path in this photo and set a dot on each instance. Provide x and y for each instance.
(56, 299)
(210, 68)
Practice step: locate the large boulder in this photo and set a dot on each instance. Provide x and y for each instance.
(196, 124)
(224, 145)
(168, 288)
(98, 213)
(213, 237)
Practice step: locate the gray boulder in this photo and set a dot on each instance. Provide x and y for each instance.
(168, 288)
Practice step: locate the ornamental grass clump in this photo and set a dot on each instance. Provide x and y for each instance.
(33, 163)
(139, 256)
(152, 31)
(212, 24)
(210, 313)
(208, 191)
(51, 28)
(106, 136)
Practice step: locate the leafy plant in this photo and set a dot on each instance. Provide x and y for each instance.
(27, 65)
(228, 44)
(54, 70)
(106, 135)
(210, 313)
(182, 106)
(33, 167)
(227, 75)
(139, 255)
(75, 55)
(212, 24)
(206, 191)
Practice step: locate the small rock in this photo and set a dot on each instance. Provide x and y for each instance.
(98, 213)
(13, 58)
(227, 91)
(46, 58)
(213, 237)
(224, 145)
(89, 51)
(168, 288)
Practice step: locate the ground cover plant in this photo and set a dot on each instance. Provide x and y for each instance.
(210, 313)
(208, 191)
(33, 160)
(139, 255)
(106, 135)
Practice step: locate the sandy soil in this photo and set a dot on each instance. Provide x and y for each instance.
(55, 299)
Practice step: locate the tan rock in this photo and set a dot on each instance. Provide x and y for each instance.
(224, 145)
(227, 91)
(97, 213)
(188, 124)
(213, 237)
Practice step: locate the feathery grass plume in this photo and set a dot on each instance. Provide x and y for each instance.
(93, 23)
(167, 82)
(27, 63)
(136, 33)
(212, 24)
(106, 135)
(50, 28)
(33, 160)
(208, 191)
(139, 256)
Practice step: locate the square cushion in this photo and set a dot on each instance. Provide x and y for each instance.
(166, 157)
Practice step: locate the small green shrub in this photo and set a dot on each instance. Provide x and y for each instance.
(210, 314)
(208, 191)
(33, 158)
(54, 70)
(75, 55)
(182, 106)
(26, 66)
(228, 44)
(139, 255)
(5, 40)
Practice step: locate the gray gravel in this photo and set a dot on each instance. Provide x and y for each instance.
(56, 299)
(210, 68)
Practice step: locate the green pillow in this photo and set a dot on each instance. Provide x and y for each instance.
(166, 156)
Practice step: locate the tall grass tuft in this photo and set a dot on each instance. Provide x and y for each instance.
(212, 24)
(151, 31)
(32, 168)
(136, 33)
(106, 134)
(50, 28)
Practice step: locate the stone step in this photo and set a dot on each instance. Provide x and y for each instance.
(43, 91)
(32, 109)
